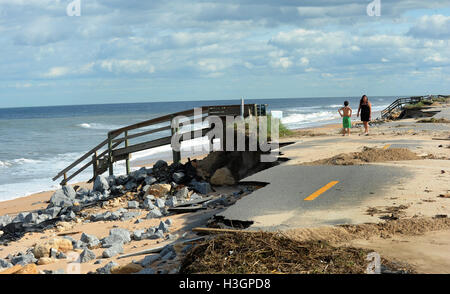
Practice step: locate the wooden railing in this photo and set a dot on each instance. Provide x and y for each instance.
(399, 104)
(104, 155)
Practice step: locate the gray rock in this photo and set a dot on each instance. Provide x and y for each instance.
(149, 260)
(98, 261)
(166, 250)
(148, 204)
(150, 181)
(170, 255)
(101, 184)
(168, 222)
(82, 192)
(178, 177)
(123, 233)
(42, 218)
(5, 264)
(5, 220)
(154, 213)
(52, 211)
(113, 251)
(61, 255)
(138, 235)
(20, 218)
(23, 259)
(53, 252)
(160, 203)
(111, 240)
(182, 194)
(195, 196)
(79, 245)
(163, 227)
(116, 215)
(159, 164)
(91, 240)
(111, 180)
(107, 268)
(201, 187)
(130, 215)
(172, 236)
(122, 179)
(146, 271)
(138, 221)
(130, 185)
(117, 189)
(139, 175)
(60, 199)
(133, 204)
(69, 191)
(171, 202)
(69, 216)
(101, 216)
(157, 235)
(86, 256)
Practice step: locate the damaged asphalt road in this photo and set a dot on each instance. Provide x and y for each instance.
(282, 205)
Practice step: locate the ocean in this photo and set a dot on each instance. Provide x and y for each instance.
(37, 142)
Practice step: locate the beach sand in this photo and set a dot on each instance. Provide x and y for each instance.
(420, 193)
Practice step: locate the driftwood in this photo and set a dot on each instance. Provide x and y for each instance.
(218, 231)
(159, 248)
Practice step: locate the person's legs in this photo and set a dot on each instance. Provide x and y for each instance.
(348, 131)
(366, 127)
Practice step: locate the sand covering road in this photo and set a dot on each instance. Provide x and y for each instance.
(368, 155)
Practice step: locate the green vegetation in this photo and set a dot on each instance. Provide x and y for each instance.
(283, 130)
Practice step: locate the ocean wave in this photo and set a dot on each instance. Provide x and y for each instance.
(300, 118)
(98, 126)
(18, 161)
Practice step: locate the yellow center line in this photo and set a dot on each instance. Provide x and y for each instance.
(387, 146)
(321, 191)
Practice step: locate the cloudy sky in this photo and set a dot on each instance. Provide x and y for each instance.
(154, 50)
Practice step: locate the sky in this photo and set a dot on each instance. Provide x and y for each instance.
(119, 51)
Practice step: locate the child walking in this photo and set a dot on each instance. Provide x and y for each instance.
(346, 113)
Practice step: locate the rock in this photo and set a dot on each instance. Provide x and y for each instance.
(69, 191)
(163, 227)
(195, 196)
(133, 204)
(115, 190)
(139, 175)
(178, 177)
(122, 233)
(168, 222)
(150, 180)
(45, 260)
(222, 177)
(69, 216)
(160, 164)
(201, 187)
(53, 252)
(5, 220)
(20, 218)
(23, 259)
(154, 213)
(59, 199)
(107, 268)
(43, 250)
(146, 271)
(158, 190)
(29, 269)
(149, 260)
(171, 202)
(52, 211)
(5, 264)
(86, 256)
(129, 215)
(101, 216)
(182, 194)
(91, 240)
(61, 255)
(101, 184)
(111, 240)
(157, 235)
(130, 268)
(171, 237)
(148, 204)
(138, 235)
(113, 251)
(79, 245)
(130, 185)
(122, 179)
(160, 203)
(111, 180)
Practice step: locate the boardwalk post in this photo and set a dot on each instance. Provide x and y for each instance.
(110, 159)
(176, 155)
(94, 164)
(128, 157)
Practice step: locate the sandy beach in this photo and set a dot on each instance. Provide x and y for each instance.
(422, 193)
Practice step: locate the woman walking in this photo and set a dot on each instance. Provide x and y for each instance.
(365, 108)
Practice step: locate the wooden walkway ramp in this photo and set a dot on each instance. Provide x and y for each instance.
(121, 143)
(399, 105)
